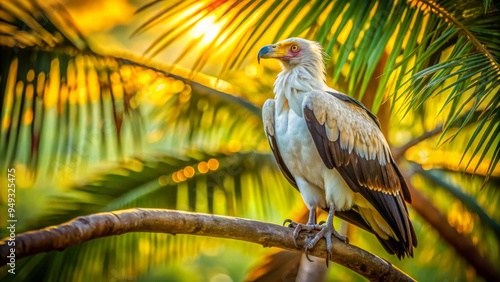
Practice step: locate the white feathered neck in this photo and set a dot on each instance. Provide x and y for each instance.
(296, 80)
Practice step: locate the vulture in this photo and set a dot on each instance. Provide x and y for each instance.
(330, 147)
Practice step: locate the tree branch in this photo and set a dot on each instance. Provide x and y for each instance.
(463, 120)
(398, 152)
(94, 226)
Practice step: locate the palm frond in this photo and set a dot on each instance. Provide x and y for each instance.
(97, 101)
(38, 24)
(424, 151)
(49, 74)
(188, 125)
(446, 50)
(217, 184)
(468, 210)
(242, 30)
(467, 72)
(438, 177)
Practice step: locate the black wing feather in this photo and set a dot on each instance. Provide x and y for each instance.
(390, 245)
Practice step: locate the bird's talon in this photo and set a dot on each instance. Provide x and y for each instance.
(329, 247)
(341, 237)
(296, 233)
(307, 254)
(326, 231)
(289, 221)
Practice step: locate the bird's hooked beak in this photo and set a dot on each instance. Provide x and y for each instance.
(272, 51)
(264, 52)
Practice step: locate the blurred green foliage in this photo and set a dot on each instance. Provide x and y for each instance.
(89, 132)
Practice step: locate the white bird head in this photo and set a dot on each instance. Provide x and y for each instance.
(293, 52)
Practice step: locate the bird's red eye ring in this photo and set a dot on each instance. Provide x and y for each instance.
(295, 48)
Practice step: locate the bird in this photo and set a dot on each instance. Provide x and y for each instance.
(330, 147)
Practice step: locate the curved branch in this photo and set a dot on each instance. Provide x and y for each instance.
(398, 153)
(99, 225)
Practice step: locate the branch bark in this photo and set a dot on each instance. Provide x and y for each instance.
(94, 226)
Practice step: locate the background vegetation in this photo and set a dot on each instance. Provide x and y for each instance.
(104, 109)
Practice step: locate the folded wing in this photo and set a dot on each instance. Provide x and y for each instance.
(268, 120)
(348, 138)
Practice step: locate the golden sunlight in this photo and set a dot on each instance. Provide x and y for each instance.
(207, 28)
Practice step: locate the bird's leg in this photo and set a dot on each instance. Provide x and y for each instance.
(326, 232)
(312, 217)
(299, 227)
(311, 222)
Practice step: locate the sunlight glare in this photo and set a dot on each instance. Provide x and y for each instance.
(251, 70)
(207, 28)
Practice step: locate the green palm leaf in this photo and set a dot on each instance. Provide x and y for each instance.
(212, 184)
(438, 177)
(51, 75)
(356, 36)
(469, 77)
(108, 144)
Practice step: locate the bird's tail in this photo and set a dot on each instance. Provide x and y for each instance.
(390, 239)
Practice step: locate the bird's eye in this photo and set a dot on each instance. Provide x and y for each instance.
(294, 48)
